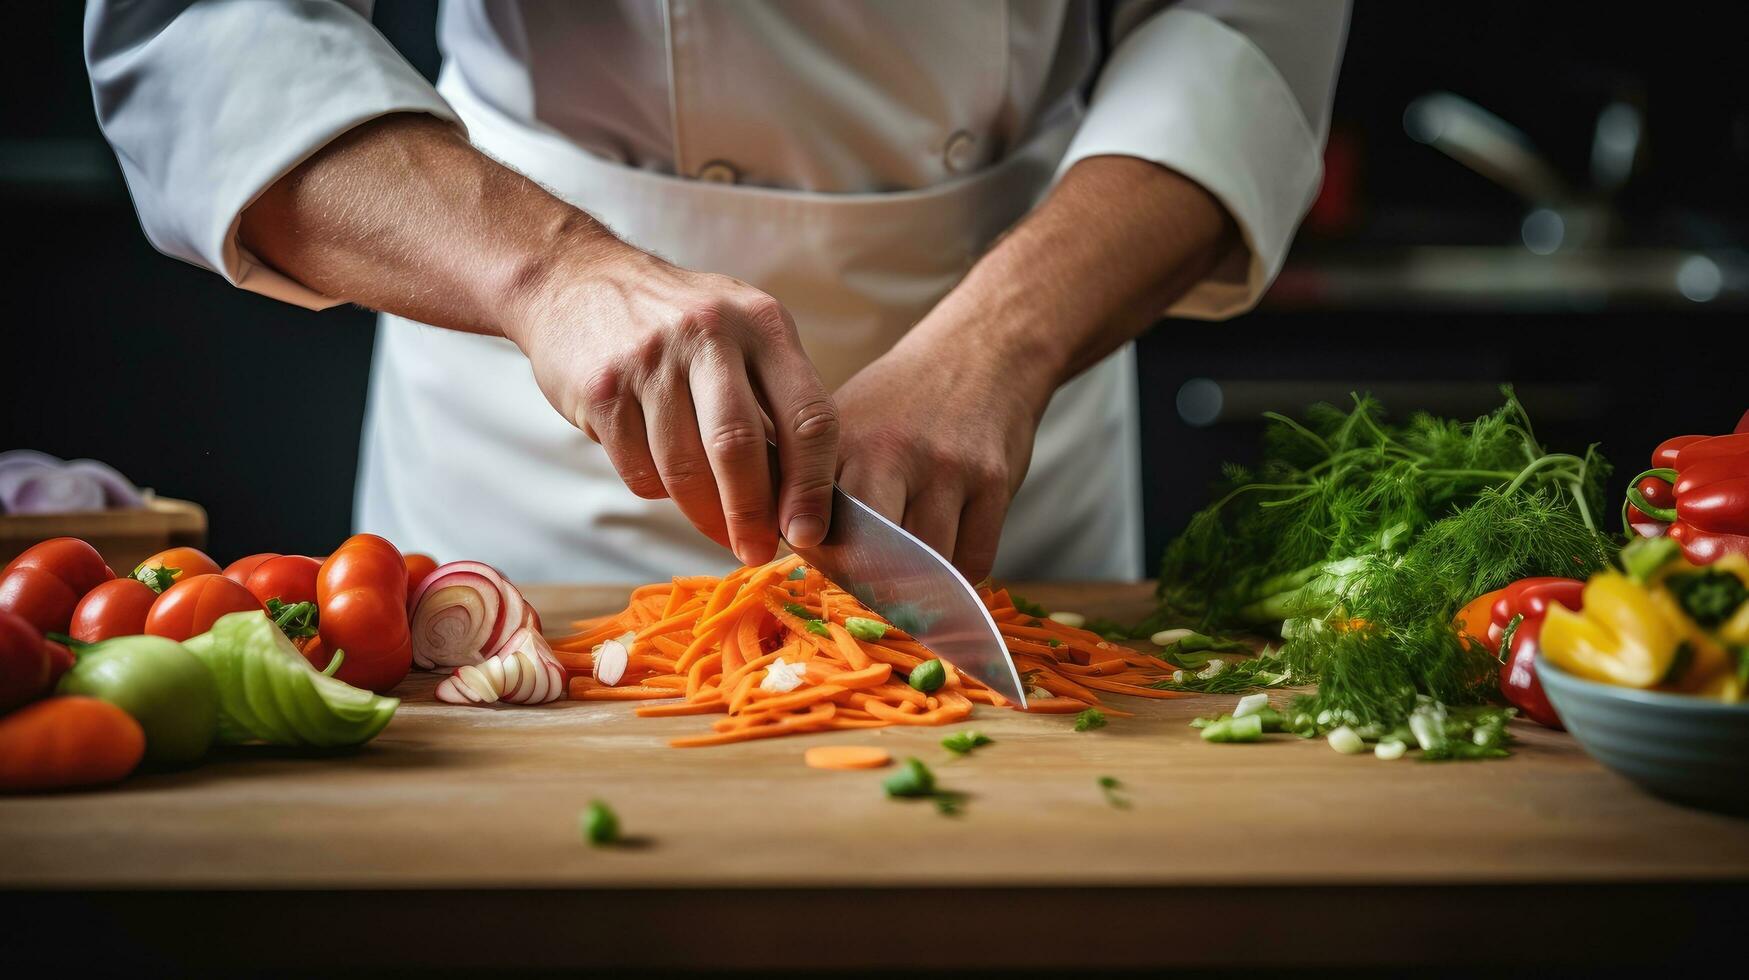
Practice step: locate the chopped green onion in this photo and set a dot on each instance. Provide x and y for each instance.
(864, 628)
(912, 780)
(1113, 791)
(797, 610)
(928, 676)
(1251, 704)
(1389, 749)
(600, 825)
(1344, 740)
(818, 627)
(797, 573)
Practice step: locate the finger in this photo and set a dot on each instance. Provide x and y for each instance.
(876, 483)
(679, 454)
(980, 533)
(806, 425)
(933, 515)
(616, 422)
(734, 441)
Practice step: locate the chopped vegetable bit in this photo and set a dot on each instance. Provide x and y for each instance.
(912, 780)
(600, 825)
(1030, 608)
(818, 627)
(1214, 667)
(928, 676)
(783, 677)
(797, 573)
(1114, 793)
(1073, 620)
(1166, 638)
(1246, 729)
(797, 610)
(611, 657)
(1389, 749)
(846, 757)
(1090, 719)
(1251, 704)
(960, 743)
(1345, 741)
(864, 628)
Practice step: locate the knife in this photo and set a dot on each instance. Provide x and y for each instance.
(916, 589)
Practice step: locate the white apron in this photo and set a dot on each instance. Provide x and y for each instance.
(464, 458)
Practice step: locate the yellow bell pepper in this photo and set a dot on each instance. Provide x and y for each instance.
(1621, 636)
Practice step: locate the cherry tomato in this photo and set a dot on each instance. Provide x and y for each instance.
(418, 567)
(189, 607)
(362, 596)
(118, 607)
(240, 570)
(288, 578)
(182, 563)
(47, 581)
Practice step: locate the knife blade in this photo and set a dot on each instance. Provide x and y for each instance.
(916, 589)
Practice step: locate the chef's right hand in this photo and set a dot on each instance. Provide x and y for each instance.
(675, 373)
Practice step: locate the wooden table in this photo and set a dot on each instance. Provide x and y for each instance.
(459, 827)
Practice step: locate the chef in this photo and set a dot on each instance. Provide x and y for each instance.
(620, 243)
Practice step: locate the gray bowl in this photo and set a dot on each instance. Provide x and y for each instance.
(1688, 749)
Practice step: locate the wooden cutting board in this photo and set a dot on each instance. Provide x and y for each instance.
(486, 801)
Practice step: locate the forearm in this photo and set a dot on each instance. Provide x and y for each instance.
(402, 214)
(1114, 244)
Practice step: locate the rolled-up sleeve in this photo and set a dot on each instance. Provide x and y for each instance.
(1234, 95)
(208, 103)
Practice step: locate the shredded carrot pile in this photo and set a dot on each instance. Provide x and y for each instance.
(708, 644)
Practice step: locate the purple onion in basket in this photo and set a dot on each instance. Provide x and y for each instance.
(37, 483)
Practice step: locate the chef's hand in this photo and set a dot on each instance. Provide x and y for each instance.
(938, 432)
(675, 374)
(938, 440)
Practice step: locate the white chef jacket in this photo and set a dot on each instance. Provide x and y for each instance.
(207, 104)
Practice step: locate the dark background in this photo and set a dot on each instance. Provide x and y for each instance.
(253, 408)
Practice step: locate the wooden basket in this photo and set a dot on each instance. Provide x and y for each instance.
(124, 537)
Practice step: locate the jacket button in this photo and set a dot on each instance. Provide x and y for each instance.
(960, 153)
(718, 172)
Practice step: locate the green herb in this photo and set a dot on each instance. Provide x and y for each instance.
(928, 676)
(912, 780)
(1237, 677)
(798, 610)
(797, 573)
(600, 825)
(157, 579)
(949, 804)
(1363, 539)
(864, 628)
(961, 743)
(296, 620)
(1030, 608)
(817, 627)
(1114, 792)
(1709, 596)
(1053, 642)
(1090, 719)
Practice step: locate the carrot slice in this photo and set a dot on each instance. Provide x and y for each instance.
(846, 757)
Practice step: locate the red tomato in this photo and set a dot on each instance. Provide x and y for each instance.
(46, 582)
(182, 562)
(189, 607)
(288, 578)
(118, 607)
(418, 567)
(362, 595)
(240, 570)
(25, 671)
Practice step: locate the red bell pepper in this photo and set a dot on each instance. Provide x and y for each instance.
(1515, 629)
(1697, 494)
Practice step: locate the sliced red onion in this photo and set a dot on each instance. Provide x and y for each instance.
(118, 490)
(55, 491)
(463, 613)
(16, 464)
(525, 672)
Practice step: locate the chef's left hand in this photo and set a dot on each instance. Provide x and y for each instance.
(937, 438)
(937, 434)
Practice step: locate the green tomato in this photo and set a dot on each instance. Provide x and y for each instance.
(163, 686)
